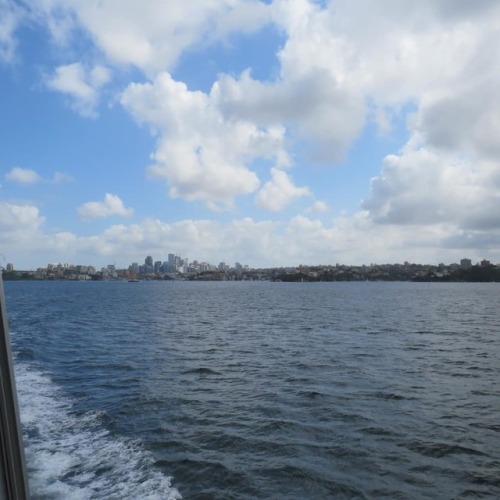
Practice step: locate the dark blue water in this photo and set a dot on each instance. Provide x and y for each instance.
(258, 390)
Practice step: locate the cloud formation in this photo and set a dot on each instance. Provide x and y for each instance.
(317, 207)
(153, 34)
(81, 85)
(21, 230)
(112, 205)
(29, 176)
(202, 155)
(277, 193)
(10, 18)
(345, 67)
(23, 176)
(298, 240)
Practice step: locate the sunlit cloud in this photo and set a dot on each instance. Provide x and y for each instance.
(81, 85)
(279, 192)
(112, 205)
(346, 75)
(23, 176)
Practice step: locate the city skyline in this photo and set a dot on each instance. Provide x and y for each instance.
(182, 265)
(273, 132)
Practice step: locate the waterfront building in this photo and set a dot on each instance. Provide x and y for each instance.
(465, 263)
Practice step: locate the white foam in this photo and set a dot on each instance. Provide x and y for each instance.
(74, 457)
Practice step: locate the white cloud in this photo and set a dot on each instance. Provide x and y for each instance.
(464, 118)
(29, 176)
(202, 155)
(339, 69)
(81, 85)
(25, 241)
(317, 207)
(61, 177)
(23, 176)
(335, 64)
(152, 34)
(300, 240)
(204, 240)
(58, 17)
(277, 193)
(20, 231)
(426, 187)
(351, 240)
(11, 16)
(441, 61)
(112, 205)
(71, 79)
(448, 173)
(15, 216)
(343, 63)
(314, 105)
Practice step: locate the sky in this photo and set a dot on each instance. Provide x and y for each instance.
(270, 133)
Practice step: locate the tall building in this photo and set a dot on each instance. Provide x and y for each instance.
(148, 261)
(172, 262)
(9, 268)
(465, 263)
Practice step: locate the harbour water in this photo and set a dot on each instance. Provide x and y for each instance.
(258, 390)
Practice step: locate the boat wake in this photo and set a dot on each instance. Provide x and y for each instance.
(74, 456)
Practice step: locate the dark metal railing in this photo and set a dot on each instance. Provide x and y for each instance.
(13, 477)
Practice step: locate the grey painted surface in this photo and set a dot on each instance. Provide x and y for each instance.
(13, 478)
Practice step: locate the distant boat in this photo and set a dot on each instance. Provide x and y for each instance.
(133, 280)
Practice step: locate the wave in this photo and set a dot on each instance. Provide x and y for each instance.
(201, 371)
(72, 455)
(438, 450)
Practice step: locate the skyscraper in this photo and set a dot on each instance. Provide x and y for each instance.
(172, 263)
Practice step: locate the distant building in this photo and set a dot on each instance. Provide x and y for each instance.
(465, 263)
(485, 263)
(9, 268)
(171, 262)
(148, 261)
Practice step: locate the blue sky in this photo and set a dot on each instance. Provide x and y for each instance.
(270, 133)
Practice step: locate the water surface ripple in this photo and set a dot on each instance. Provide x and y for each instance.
(262, 390)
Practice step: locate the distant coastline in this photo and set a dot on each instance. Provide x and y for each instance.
(481, 272)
